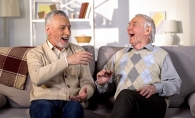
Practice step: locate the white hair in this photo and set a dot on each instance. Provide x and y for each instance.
(149, 22)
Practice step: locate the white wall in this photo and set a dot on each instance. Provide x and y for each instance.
(192, 22)
(18, 31)
(111, 21)
(175, 10)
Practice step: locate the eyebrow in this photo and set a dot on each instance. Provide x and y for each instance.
(65, 25)
(132, 23)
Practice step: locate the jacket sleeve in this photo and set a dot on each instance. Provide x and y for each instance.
(86, 80)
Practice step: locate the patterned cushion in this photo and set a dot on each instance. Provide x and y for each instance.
(13, 66)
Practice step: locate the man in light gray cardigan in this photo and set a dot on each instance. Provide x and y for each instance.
(59, 72)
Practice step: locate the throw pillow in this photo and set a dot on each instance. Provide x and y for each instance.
(13, 66)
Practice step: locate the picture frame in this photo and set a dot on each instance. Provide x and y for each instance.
(43, 8)
(158, 18)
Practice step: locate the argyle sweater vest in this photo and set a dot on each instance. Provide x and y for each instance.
(136, 68)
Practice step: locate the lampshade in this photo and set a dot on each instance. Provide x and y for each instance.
(9, 8)
(170, 26)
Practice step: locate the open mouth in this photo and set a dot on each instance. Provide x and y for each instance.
(64, 38)
(131, 35)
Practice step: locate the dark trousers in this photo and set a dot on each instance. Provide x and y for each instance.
(130, 104)
(56, 109)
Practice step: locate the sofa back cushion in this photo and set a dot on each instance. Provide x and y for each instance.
(91, 49)
(183, 59)
(17, 97)
(104, 54)
(20, 98)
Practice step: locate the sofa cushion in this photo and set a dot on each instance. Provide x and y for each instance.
(17, 97)
(91, 49)
(183, 58)
(191, 103)
(2, 100)
(13, 66)
(14, 113)
(104, 54)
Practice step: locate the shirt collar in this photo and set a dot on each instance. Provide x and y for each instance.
(52, 47)
(148, 46)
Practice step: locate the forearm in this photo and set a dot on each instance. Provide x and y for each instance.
(166, 88)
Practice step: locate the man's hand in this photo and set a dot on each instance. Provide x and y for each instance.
(82, 57)
(147, 90)
(81, 97)
(104, 76)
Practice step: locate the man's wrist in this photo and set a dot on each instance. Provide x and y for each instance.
(96, 83)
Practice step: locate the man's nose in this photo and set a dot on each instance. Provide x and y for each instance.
(67, 31)
(129, 28)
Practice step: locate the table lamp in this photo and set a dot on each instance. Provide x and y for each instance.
(170, 27)
(8, 8)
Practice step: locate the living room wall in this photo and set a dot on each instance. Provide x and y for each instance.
(111, 21)
(192, 23)
(175, 10)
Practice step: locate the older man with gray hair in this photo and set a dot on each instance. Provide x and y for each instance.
(143, 74)
(59, 72)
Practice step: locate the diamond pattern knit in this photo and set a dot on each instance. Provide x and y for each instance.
(135, 69)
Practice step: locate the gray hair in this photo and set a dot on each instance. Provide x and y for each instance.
(149, 22)
(51, 14)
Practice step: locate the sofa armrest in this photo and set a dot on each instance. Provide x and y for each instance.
(2, 100)
(191, 103)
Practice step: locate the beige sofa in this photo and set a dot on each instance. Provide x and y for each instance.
(14, 102)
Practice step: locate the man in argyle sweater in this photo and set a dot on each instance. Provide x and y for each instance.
(143, 74)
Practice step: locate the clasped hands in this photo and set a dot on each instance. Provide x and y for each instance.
(82, 57)
(105, 75)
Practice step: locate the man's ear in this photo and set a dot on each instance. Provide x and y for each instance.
(148, 30)
(47, 29)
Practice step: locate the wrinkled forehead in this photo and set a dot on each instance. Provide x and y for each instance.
(60, 20)
(137, 19)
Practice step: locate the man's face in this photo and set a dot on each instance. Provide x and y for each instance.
(136, 31)
(58, 31)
